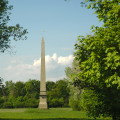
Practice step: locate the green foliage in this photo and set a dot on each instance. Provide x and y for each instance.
(75, 91)
(75, 104)
(90, 103)
(31, 103)
(1, 102)
(18, 102)
(106, 10)
(2, 93)
(54, 102)
(7, 105)
(58, 95)
(99, 59)
(50, 85)
(10, 88)
(7, 33)
(21, 95)
(20, 89)
(1, 82)
(32, 87)
(75, 98)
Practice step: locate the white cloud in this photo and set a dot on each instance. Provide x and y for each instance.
(67, 60)
(22, 71)
(54, 57)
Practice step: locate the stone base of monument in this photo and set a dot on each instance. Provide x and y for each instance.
(43, 106)
(43, 102)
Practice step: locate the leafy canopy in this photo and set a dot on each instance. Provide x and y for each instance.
(99, 57)
(7, 32)
(99, 54)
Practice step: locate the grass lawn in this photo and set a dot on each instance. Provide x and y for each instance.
(50, 114)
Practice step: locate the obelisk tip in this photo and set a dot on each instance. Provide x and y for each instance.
(42, 39)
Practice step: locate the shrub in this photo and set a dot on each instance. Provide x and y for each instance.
(7, 105)
(31, 103)
(1, 102)
(90, 103)
(74, 103)
(18, 104)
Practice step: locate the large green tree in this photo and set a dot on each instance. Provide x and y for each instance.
(99, 59)
(7, 32)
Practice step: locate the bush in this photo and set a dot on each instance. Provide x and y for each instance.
(75, 97)
(7, 105)
(74, 104)
(1, 102)
(31, 103)
(18, 104)
(56, 102)
(90, 103)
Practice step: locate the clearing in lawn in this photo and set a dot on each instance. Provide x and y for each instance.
(37, 114)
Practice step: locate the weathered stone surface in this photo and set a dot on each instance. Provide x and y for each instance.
(43, 96)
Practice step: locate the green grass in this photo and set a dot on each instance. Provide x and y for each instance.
(37, 114)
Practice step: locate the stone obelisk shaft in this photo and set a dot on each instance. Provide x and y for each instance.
(43, 96)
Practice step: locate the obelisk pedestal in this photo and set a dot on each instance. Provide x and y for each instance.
(43, 95)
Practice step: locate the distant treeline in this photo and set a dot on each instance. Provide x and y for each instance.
(26, 94)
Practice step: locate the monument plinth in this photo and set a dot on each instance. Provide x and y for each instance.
(43, 95)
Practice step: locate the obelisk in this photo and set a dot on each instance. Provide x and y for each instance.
(43, 95)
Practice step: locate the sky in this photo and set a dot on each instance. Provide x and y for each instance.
(60, 22)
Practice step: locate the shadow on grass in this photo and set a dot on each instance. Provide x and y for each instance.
(51, 119)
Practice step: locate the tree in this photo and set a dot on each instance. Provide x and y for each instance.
(20, 89)
(32, 89)
(99, 59)
(7, 32)
(10, 94)
(58, 95)
(75, 91)
(2, 88)
(19, 94)
(10, 88)
(0, 82)
(50, 85)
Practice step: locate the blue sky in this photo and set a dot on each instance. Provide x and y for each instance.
(59, 22)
